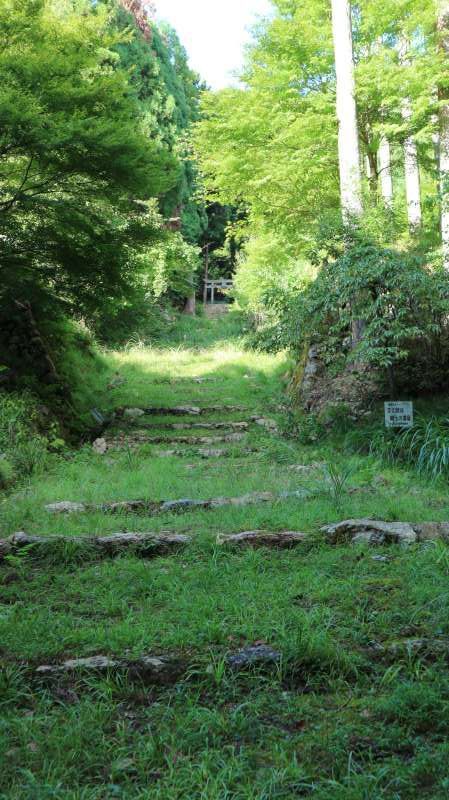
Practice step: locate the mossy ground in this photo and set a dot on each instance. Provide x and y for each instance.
(333, 722)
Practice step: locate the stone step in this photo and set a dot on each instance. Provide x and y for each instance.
(377, 532)
(424, 649)
(178, 411)
(141, 544)
(159, 669)
(282, 540)
(137, 438)
(144, 545)
(154, 544)
(179, 426)
(154, 507)
(205, 453)
(243, 425)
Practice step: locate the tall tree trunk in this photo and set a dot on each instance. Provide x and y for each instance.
(411, 164)
(348, 129)
(412, 178)
(443, 31)
(348, 134)
(206, 272)
(386, 181)
(373, 174)
(368, 169)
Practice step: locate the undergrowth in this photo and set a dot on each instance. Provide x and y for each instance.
(424, 447)
(23, 450)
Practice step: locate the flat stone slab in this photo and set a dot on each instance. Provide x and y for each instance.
(153, 507)
(133, 413)
(280, 540)
(431, 531)
(307, 469)
(378, 532)
(66, 507)
(370, 531)
(6, 548)
(100, 446)
(211, 452)
(155, 669)
(263, 422)
(259, 655)
(142, 544)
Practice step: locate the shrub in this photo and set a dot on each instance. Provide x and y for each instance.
(403, 303)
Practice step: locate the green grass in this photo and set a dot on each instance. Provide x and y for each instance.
(334, 722)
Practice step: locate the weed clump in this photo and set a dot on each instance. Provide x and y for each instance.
(23, 449)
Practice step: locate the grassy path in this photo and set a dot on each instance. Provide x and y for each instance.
(334, 720)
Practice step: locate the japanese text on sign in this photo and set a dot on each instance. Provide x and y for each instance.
(399, 415)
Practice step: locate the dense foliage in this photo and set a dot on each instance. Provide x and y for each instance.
(167, 92)
(94, 164)
(73, 154)
(272, 146)
(273, 143)
(404, 305)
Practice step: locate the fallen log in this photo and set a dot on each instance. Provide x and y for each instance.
(281, 540)
(142, 544)
(153, 507)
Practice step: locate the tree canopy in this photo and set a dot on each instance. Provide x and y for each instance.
(273, 142)
(73, 154)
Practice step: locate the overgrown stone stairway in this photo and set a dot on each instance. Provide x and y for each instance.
(194, 576)
(127, 430)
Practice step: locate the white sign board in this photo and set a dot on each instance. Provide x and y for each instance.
(399, 414)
